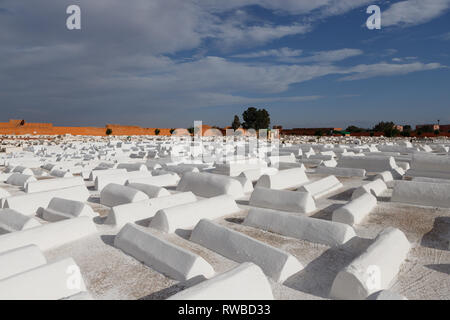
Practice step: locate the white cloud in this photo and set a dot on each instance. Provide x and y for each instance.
(208, 80)
(403, 59)
(35, 55)
(413, 12)
(327, 56)
(325, 7)
(389, 52)
(217, 99)
(445, 36)
(292, 6)
(229, 35)
(365, 71)
(336, 7)
(221, 75)
(279, 53)
(292, 56)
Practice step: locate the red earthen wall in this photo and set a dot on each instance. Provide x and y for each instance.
(16, 127)
(20, 127)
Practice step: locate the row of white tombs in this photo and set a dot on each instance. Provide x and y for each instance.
(47, 206)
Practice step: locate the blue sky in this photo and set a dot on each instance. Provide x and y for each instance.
(166, 63)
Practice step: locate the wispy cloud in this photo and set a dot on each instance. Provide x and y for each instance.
(388, 69)
(296, 56)
(278, 53)
(230, 35)
(413, 12)
(389, 52)
(288, 6)
(327, 56)
(217, 99)
(404, 59)
(444, 36)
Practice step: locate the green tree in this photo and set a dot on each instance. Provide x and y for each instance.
(384, 126)
(388, 128)
(256, 119)
(108, 131)
(263, 119)
(172, 131)
(436, 132)
(355, 129)
(249, 117)
(157, 132)
(191, 130)
(406, 133)
(391, 132)
(318, 133)
(236, 124)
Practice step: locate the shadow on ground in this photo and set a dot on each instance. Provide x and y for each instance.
(183, 233)
(343, 196)
(94, 199)
(243, 202)
(444, 268)
(99, 220)
(439, 236)
(108, 239)
(317, 277)
(235, 220)
(327, 212)
(170, 291)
